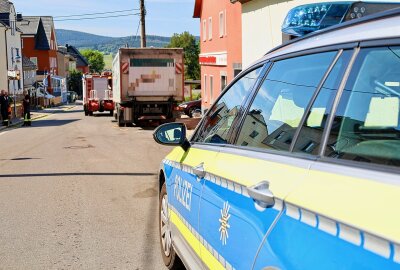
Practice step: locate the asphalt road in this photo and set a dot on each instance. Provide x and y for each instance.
(79, 192)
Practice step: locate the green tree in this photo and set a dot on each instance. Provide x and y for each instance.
(95, 59)
(192, 50)
(75, 82)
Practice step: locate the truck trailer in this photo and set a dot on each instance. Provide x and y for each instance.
(148, 84)
(97, 94)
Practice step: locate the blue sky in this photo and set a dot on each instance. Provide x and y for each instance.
(164, 17)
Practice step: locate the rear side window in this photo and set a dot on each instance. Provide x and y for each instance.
(219, 120)
(310, 136)
(281, 101)
(366, 125)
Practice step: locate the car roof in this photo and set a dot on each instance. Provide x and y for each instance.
(383, 25)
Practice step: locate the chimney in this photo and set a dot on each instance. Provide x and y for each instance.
(19, 17)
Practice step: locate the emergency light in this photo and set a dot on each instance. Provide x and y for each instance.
(305, 19)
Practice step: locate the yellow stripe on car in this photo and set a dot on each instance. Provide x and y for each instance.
(201, 251)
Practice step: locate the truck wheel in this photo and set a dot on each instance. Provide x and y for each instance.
(170, 258)
(90, 113)
(111, 113)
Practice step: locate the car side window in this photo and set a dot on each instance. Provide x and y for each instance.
(310, 135)
(281, 101)
(217, 122)
(366, 126)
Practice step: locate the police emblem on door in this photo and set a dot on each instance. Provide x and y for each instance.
(224, 223)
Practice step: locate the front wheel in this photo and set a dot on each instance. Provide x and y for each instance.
(170, 258)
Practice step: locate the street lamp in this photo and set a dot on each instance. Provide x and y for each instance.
(15, 59)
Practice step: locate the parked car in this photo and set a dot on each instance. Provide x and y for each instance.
(296, 165)
(72, 96)
(191, 107)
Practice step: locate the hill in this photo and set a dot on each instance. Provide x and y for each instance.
(107, 45)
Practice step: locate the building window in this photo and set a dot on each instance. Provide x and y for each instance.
(254, 134)
(13, 27)
(205, 87)
(210, 28)
(34, 60)
(204, 30)
(221, 24)
(212, 89)
(223, 82)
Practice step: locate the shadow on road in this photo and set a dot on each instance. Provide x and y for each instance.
(19, 159)
(73, 174)
(53, 123)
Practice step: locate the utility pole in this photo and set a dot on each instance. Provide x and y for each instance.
(143, 23)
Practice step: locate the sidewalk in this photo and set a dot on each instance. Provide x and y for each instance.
(38, 114)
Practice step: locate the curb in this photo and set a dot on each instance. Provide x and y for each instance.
(40, 116)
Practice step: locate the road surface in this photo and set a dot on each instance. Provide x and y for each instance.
(79, 192)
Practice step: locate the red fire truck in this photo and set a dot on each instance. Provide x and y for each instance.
(97, 93)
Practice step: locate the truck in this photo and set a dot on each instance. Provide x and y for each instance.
(97, 93)
(148, 85)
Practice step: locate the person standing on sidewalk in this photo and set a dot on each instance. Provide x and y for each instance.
(4, 107)
(27, 111)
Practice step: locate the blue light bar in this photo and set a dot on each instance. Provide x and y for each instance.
(305, 19)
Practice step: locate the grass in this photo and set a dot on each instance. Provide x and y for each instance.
(108, 59)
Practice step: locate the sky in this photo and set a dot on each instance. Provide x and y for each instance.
(164, 17)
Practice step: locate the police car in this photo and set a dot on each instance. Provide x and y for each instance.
(296, 165)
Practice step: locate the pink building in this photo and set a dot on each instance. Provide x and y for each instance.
(220, 46)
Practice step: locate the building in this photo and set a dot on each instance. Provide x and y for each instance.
(29, 69)
(65, 62)
(220, 46)
(82, 63)
(11, 78)
(39, 44)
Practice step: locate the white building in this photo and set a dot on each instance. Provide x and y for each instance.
(10, 50)
(261, 24)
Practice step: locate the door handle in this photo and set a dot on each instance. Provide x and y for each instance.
(199, 170)
(262, 195)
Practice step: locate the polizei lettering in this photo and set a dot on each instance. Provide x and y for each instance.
(183, 192)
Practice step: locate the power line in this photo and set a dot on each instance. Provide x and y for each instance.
(101, 17)
(98, 13)
(137, 31)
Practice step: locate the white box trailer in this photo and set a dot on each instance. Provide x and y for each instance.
(148, 83)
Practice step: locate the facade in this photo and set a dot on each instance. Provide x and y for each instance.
(65, 62)
(261, 25)
(10, 50)
(29, 76)
(220, 46)
(81, 63)
(40, 45)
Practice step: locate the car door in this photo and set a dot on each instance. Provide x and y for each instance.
(184, 190)
(344, 215)
(244, 190)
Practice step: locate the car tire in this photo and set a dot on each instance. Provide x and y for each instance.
(111, 113)
(170, 258)
(190, 114)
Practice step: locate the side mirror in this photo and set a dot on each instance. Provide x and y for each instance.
(172, 134)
